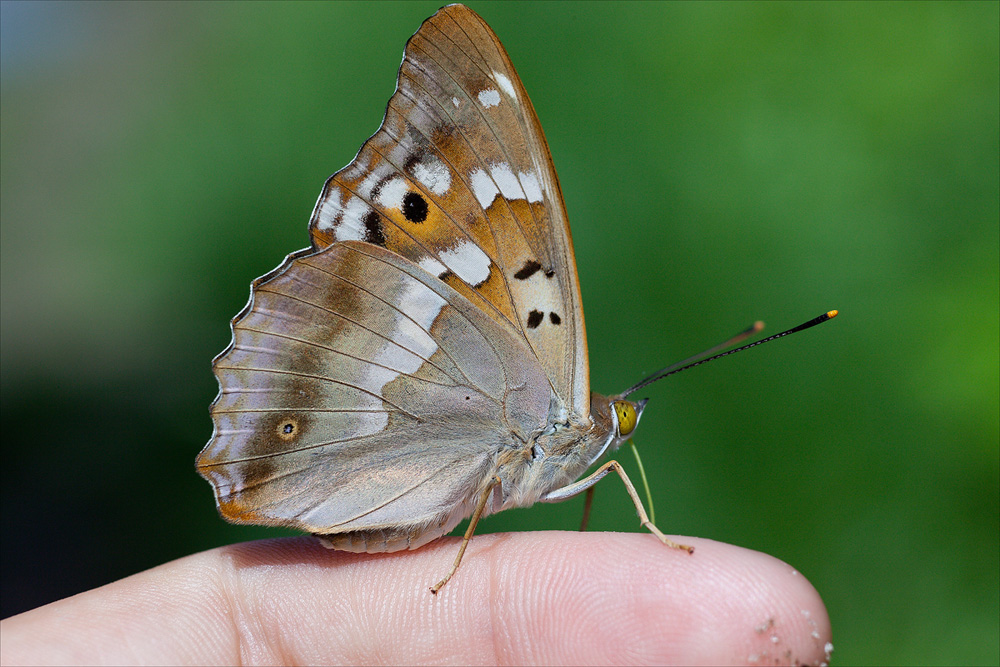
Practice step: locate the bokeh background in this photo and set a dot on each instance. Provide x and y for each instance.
(721, 163)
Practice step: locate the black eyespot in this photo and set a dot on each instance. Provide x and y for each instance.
(555, 319)
(288, 429)
(373, 228)
(529, 269)
(550, 273)
(534, 319)
(414, 207)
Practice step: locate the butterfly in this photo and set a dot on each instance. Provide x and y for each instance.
(425, 359)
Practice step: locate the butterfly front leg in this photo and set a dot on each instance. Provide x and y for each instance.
(588, 482)
(587, 502)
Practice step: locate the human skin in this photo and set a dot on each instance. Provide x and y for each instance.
(518, 599)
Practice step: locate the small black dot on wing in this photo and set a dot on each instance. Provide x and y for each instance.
(535, 318)
(554, 318)
(529, 269)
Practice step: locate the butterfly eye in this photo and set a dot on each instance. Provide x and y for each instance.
(627, 417)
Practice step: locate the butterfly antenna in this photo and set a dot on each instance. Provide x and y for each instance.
(710, 354)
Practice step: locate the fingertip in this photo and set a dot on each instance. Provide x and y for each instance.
(601, 597)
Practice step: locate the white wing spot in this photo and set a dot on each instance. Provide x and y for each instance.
(483, 187)
(390, 195)
(502, 180)
(489, 98)
(505, 179)
(456, 102)
(467, 261)
(432, 266)
(532, 188)
(505, 84)
(433, 175)
(350, 227)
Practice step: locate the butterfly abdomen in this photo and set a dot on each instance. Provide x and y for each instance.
(399, 538)
(380, 541)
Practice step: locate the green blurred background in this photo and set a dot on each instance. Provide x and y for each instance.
(720, 162)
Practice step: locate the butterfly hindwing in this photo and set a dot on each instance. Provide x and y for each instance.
(362, 394)
(459, 180)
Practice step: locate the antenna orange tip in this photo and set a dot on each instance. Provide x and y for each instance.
(758, 325)
(832, 314)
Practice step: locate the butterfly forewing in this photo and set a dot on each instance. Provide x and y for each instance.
(459, 180)
(362, 394)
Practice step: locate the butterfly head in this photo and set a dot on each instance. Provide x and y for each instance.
(615, 419)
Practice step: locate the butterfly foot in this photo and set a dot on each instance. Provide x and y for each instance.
(439, 585)
(666, 540)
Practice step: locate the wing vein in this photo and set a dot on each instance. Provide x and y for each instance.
(393, 307)
(261, 288)
(324, 378)
(356, 358)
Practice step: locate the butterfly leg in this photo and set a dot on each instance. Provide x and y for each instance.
(587, 502)
(480, 506)
(586, 483)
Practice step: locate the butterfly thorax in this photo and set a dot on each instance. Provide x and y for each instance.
(559, 454)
